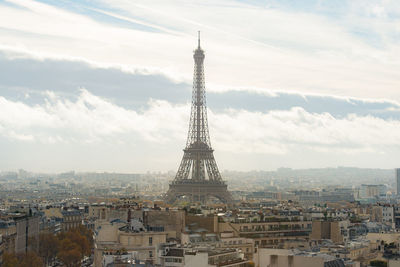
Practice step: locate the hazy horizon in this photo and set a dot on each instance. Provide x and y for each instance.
(280, 169)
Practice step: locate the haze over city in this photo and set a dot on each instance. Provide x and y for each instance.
(182, 133)
(106, 85)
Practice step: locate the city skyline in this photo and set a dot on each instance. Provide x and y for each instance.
(182, 133)
(114, 93)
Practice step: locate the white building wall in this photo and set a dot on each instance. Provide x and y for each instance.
(198, 260)
(283, 258)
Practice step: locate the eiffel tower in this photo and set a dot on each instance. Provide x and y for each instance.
(198, 176)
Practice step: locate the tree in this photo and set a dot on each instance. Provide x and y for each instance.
(9, 260)
(30, 259)
(74, 245)
(70, 258)
(69, 253)
(86, 232)
(48, 247)
(81, 242)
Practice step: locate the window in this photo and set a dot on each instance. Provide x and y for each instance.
(150, 240)
(173, 260)
(151, 254)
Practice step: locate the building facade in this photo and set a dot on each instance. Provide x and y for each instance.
(71, 220)
(398, 181)
(27, 238)
(114, 238)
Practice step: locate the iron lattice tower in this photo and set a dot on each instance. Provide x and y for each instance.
(198, 175)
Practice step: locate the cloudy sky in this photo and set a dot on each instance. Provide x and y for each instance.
(105, 85)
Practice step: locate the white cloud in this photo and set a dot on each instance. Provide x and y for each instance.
(93, 119)
(281, 131)
(88, 119)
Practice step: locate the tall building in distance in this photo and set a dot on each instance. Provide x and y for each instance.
(398, 181)
(198, 176)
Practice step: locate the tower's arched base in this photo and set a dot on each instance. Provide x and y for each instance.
(198, 191)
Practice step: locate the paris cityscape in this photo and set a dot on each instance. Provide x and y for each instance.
(188, 134)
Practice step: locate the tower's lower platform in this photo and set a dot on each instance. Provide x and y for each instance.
(198, 191)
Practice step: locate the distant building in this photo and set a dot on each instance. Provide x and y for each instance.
(117, 237)
(268, 233)
(124, 260)
(225, 240)
(388, 214)
(27, 238)
(2, 249)
(353, 251)
(293, 258)
(398, 181)
(397, 216)
(8, 230)
(51, 221)
(338, 194)
(261, 195)
(328, 230)
(72, 219)
(99, 212)
(198, 256)
(246, 245)
(53, 213)
(372, 191)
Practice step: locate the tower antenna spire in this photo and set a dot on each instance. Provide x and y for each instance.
(199, 38)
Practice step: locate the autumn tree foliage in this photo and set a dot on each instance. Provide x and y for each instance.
(74, 245)
(48, 247)
(69, 253)
(29, 259)
(68, 247)
(9, 260)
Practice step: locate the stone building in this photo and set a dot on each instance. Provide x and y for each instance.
(200, 256)
(8, 231)
(269, 234)
(266, 257)
(120, 237)
(71, 219)
(27, 230)
(327, 230)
